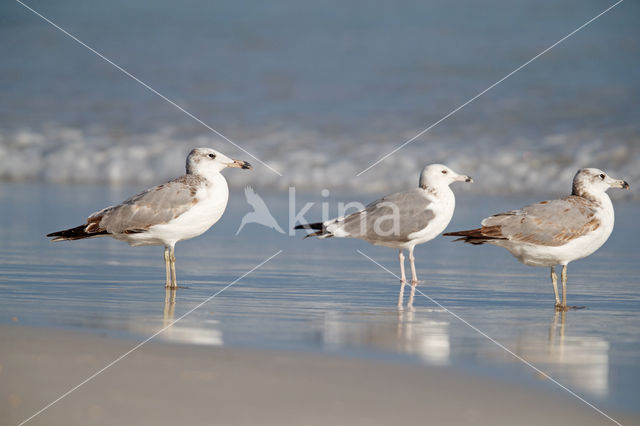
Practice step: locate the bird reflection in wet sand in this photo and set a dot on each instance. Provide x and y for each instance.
(204, 333)
(581, 362)
(554, 329)
(412, 295)
(429, 339)
(169, 306)
(403, 331)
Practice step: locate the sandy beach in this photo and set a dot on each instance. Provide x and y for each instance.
(168, 384)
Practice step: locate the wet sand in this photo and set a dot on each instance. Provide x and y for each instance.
(169, 384)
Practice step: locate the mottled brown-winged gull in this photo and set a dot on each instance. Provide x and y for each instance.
(401, 220)
(554, 232)
(165, 214)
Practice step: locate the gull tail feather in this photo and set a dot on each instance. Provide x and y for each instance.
(77, 233)
(475, 236)
(321, 231)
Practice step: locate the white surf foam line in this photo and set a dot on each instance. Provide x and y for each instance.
(124, 355)
(500, 345)
(490, 87)
(127, 73)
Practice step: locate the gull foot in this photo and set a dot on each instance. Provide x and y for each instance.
(561, 308)
(564, 308)
(176, 287)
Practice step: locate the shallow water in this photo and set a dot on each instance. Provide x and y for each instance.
(323, 296)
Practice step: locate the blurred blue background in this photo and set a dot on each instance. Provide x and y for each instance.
(320, 90)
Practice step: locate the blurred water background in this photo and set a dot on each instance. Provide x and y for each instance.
(321, 90)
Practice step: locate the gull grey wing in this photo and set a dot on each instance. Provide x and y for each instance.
(548, 223)
(391, 218)
(157, 205)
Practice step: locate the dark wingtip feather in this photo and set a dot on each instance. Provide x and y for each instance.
(77, 233)
(472, 236)
(461, 233)
(317, 225)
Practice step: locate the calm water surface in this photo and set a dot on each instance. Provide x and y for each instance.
(323, 296)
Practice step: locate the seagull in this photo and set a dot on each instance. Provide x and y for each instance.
(165, 214)
(401, 220)
(554, 232)
(260, 213)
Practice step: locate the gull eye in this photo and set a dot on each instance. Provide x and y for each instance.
(602, 176)
(212, 156)
(444, 172)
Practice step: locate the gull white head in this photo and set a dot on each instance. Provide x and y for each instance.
(437, 175)
(590, 182)
(204, 161)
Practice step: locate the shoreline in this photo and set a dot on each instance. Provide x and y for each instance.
(169, 383)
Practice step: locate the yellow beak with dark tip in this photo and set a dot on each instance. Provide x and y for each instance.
(618, 183)
(239, 164)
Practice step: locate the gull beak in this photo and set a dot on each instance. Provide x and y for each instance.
(239, 164)
(620, 184)
(463, 178)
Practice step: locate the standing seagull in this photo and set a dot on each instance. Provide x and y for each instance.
(401, 220)
(165, 214)
(554, 232)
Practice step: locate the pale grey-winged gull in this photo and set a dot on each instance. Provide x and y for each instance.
(165, 214)
(554, 232)
(401, 220)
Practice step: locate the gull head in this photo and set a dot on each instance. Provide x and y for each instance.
(435, 175)
(590, 181)
(203, 161)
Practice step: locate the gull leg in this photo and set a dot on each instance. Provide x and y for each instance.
(563, 275)
(403, 279)
(172, 258)
(414, 276)
(167, 267)
(554, 281)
